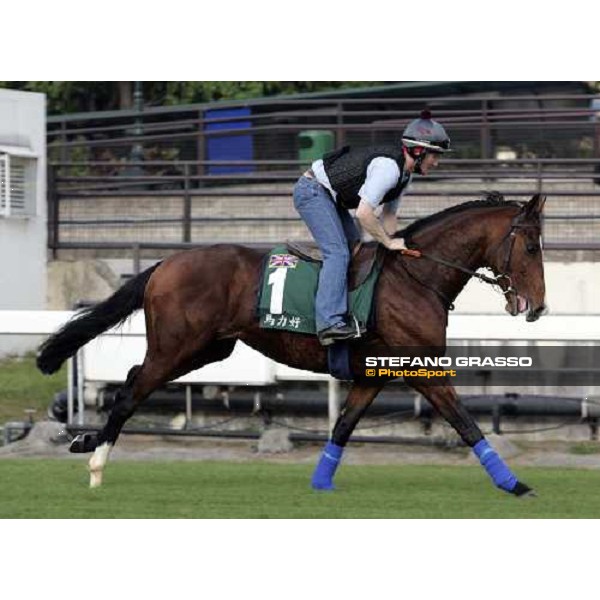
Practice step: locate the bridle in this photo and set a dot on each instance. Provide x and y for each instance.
(503, 276)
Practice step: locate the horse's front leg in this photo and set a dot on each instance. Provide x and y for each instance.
(446, 401)
(358, 400)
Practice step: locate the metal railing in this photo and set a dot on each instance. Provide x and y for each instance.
(152, 209)
(100, 197)
(542, 126)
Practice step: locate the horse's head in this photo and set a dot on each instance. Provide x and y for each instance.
(517, 260)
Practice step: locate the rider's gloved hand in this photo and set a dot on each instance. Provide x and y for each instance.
(398, 244)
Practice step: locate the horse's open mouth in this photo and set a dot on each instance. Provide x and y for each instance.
(516, 304)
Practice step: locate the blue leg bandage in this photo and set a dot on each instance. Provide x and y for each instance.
(496, 468)
(322, 478)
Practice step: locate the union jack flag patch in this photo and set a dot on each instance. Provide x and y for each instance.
(283, 260)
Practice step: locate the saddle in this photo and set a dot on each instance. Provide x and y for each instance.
(364, 258)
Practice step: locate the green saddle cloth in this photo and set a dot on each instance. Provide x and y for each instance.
(287, 293)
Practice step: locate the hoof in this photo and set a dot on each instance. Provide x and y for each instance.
(95, 479)
(322, 486)
(84, 442)
(523, 491)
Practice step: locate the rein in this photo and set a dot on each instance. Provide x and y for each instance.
(447, 263)
(494, 281)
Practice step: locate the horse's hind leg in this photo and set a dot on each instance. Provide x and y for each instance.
(358, 400)
(141, 382)
(87, 442)
(446, 401)
(104, 442)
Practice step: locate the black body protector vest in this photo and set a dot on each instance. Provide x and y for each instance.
(346, 169)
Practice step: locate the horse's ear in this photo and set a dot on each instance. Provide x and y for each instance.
(535, 205)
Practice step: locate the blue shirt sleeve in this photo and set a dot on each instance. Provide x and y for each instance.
(383, 174)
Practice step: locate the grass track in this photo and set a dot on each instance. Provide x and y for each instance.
(32, 488)
(23, 386)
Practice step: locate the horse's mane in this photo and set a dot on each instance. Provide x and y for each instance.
(492, 200)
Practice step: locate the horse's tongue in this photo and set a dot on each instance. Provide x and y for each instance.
(521, 304)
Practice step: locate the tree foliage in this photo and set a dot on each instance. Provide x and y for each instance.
(82, 96)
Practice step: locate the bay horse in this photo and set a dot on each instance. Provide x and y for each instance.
(199, 302)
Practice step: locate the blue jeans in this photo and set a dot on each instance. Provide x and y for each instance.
(334, 231)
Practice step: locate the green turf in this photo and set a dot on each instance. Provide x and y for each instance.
(585, 448)
(31, 488)
(22, 386)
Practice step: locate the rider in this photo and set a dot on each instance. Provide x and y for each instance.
(361, 179)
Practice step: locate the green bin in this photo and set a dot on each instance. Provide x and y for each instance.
(313, 143)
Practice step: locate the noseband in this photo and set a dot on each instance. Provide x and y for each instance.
(504, 274)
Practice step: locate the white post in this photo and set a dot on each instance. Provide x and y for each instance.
(188, 405)
(333, 397)
(80, 402)
(70, 386)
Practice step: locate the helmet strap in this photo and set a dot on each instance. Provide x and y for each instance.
(417, 153)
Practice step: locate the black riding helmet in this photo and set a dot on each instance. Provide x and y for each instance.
(425, 135)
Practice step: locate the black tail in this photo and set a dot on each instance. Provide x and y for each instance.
(91, 322)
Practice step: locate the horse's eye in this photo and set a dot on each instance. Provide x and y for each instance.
(532, 248)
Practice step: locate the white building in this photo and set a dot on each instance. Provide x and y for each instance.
(22, 206)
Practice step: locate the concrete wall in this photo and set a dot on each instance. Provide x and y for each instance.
(70, 282)
(23, 239)
(571, 288)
